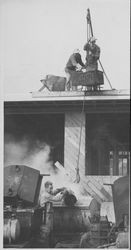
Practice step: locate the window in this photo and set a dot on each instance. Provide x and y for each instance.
(107, 144)
(119, 162)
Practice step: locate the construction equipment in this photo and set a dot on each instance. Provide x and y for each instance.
(53, 83)
(104, 233)
(89, 35)
(22, 215)
(91, 80)
(28, 225)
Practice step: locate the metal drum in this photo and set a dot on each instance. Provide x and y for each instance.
(71, 219)
(120, 190)
(11, 230)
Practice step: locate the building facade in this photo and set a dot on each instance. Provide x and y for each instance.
(87, 132)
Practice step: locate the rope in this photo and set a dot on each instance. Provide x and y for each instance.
(77, 167)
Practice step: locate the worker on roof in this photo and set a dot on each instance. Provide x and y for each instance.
(50, 195)
(74, 64)
(93, 54)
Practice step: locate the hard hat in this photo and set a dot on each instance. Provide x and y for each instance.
(76, 51)
(93, 39)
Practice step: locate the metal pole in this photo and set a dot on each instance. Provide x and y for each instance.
(88, 10)
(105, 74)
(87, 17)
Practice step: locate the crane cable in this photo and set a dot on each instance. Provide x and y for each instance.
(77, 180)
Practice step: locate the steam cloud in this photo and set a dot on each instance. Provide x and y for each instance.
(27, 152)
(36, 154)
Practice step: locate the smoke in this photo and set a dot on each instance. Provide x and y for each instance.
(29, 152)
(36, 154)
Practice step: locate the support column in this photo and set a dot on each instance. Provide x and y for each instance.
(71, 143)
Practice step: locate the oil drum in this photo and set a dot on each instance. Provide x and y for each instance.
(11, 230)
(71, 219)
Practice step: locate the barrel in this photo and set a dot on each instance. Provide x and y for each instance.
(11, 230)
(71, 219)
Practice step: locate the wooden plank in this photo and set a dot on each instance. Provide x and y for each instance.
(97, 191)
(100, 188)
(95, 182)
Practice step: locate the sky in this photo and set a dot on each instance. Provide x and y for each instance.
(38, 36)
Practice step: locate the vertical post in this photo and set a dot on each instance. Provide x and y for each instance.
(125, 219)
(87, 17)
(46, 228)
(49, 215)
(71, 143)
(115, 161)
(88, 21)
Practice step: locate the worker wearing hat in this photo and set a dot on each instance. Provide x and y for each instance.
(93, 54)
(74, 64)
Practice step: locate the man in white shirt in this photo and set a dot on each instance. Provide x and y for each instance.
(51, 196)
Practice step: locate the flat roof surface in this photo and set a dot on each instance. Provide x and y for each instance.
(47, 95)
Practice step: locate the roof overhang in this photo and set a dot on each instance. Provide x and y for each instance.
(61, 102)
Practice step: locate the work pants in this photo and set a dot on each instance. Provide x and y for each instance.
(68, 85)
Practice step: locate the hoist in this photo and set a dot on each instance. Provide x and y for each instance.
(89, 36)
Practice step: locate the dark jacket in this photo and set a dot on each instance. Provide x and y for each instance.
(93, 51)
(73, 60)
